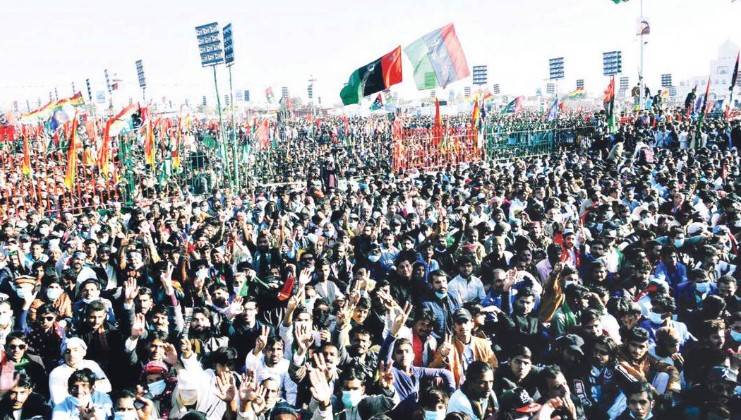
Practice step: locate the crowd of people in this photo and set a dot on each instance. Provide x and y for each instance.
(596, 282)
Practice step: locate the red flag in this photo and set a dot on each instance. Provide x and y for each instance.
(437, 126)
(26, 167)
(69, 177)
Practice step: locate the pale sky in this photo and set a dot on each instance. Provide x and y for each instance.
(48, 44)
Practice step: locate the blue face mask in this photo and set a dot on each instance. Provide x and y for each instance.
(441, 295)
(703, 287)
(351, 399)
(678, 243)
(433, 415)
(736, 336)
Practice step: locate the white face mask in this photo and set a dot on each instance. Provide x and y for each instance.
(80, 401)
(157, 388)
(654, 317)
(125, 415)
(53, 294)
(6, 319)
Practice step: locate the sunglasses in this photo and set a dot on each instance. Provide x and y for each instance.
(49, 318)
(17, 346)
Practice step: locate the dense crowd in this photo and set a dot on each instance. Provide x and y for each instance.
(596, 282)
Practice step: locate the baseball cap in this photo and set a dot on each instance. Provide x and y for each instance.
(722, 373)
(518, 400)
(572, 342)
(462, 315)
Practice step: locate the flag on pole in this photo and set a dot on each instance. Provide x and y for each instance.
(373, 77)
(176, 146)
(437, 126)
(69, 176)
(643, 28)
(553, 111)
(377, 103)
(576, 94)
(734, 75)
(514, 106)
(476, 123)
(437, 58)
(704, 109)
(121, 122)
(26, 167)
(609, 103)
(149, 144)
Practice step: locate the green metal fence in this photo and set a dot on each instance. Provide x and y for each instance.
(504, 144)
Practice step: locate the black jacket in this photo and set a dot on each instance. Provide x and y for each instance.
(34, 407)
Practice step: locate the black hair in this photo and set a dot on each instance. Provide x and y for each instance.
(520, 350)
(548, 372)
(95, 306)
(82, 375)
(21, 379)
(639, 387)
(226, 356)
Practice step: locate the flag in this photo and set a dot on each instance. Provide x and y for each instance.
(609, 103)
(176, 146)
(119, 123)
(437, 59)
(553, 111)
(514, 106)
(149, 144)
(576, 94)
(69, 176)
(437, 125)
(734, 75)
(42, 113)
(262, 135)
(26, 167)
(704, 109)
(373, 77)
(717, 107)
(377, 103)
(643, 28)
(476, 122)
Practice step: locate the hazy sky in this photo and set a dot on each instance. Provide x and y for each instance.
(49, 44)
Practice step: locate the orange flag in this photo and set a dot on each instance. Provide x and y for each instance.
(175, 151)
(149, 144)
(69, 177)
(26, 167)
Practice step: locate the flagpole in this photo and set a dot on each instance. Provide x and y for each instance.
(641, 83)
(234, 134)
(221, 123)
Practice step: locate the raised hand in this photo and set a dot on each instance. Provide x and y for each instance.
(321, 364)
(262, 340)
(235, 308)
(226, 389)
(131, 291)
(385, 375)
(171, 355)
(401, 319)
(304, 338)
(320, 389)
(446, 346)
(510, 279)
(145, 413)
(186, 348)
(139, 325)
(305, 277)
(166, 279)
